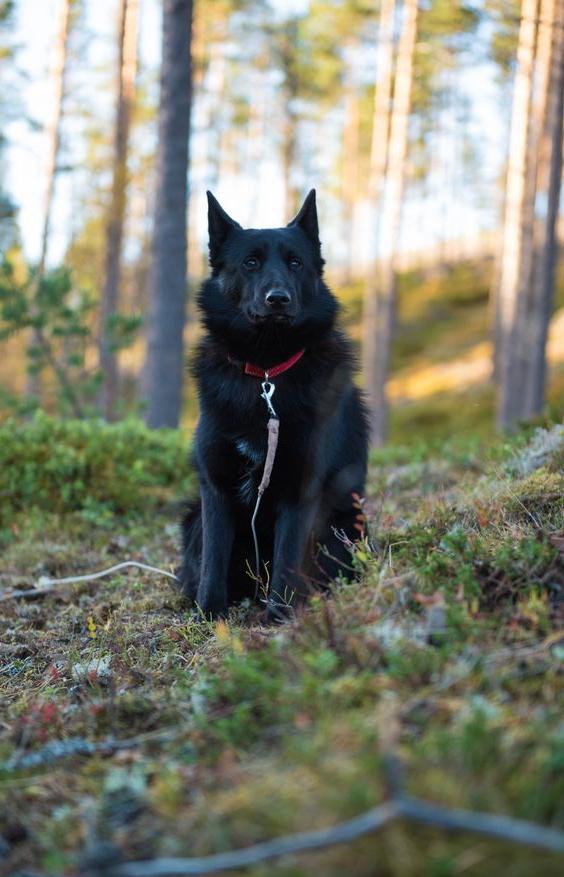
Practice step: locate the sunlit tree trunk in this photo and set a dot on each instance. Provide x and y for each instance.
(127, 65)
(382, 102)
(550, 59)
(290, 121)
(377, 172)
(517, 244)
(350, 168)
(289, 145)
(389, 228)
(167, 310)
(54, 139)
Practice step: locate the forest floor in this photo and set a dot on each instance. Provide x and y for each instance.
(448, 652)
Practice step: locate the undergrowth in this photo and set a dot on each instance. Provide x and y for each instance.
(96, 469)
(447, 650)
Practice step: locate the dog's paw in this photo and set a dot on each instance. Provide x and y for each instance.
(186, 584)
(209, 609)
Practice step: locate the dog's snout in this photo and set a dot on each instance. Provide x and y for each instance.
(277, 297)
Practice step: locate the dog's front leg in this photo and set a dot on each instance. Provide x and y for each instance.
(217, 544)
(293, 530)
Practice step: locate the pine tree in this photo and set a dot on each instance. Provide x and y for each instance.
(167, 309)
(526, 282)
(382, 310)
(550, 60)
(127, 65)
(372, 366)
(54, 138)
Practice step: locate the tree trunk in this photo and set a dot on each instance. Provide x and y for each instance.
(290, 91)
(382, 102)
(377, 172)
(382, 328)
(289, 145)
(54, 135)
(128, 25)
(515, 268)
(549, 178)
(350, 169)
(165, 353)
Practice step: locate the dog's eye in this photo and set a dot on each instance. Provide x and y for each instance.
(295, 262)
(251, 263)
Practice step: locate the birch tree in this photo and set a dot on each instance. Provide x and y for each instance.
(168, 287)
(127, 66)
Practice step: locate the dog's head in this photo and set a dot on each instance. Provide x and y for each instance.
(266, 281)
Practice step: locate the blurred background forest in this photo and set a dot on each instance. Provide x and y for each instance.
(432, 130)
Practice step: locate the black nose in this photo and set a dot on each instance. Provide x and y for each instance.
(277, 297)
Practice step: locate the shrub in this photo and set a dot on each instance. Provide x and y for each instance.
(72, 465)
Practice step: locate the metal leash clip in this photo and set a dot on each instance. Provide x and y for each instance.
(268, 389)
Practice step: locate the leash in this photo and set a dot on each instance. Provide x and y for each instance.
(273, 427)
(45, 584)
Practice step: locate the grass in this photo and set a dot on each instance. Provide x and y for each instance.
(448, 649)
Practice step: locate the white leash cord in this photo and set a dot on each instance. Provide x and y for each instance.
(46, 584)
(273, 426)
(69, 580)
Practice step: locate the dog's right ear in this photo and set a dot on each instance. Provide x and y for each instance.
(220, 225)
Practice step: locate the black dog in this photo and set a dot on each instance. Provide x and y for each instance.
(266, 308)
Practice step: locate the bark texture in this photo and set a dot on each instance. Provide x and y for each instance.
(526, 286)
(379, 321)
(549, 181)
(377, 175)
(167, 310)
(515, 266)
(127, 66)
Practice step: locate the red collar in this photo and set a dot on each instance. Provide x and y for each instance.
(257, 372)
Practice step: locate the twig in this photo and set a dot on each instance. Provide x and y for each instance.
(60, 373)
(399, 806)
(48, 584)
(517, 831)
(58, 749)
(372, 820)
(63, 749)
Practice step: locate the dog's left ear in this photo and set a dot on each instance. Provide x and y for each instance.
(306, 219)
(220, 225)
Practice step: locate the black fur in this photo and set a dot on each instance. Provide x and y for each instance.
(321, 457)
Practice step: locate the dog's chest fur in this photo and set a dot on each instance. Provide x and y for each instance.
(253, 455)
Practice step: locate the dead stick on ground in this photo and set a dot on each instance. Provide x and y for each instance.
(399, 806)
(486, 824)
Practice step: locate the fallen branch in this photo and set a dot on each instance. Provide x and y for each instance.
(518, 831)
(58, 749)
(372, 820)
(399, 806)
(48, 585)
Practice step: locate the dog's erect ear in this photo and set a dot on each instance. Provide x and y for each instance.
(219, 226)
(307, 218)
